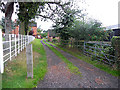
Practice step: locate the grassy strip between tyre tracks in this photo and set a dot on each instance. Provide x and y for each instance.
(16, 70)
(71, 67)
(88, 60)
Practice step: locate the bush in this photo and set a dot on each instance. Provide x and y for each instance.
(114, 38)
(54, 40)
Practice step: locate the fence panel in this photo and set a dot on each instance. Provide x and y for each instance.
(101, 52)
(12, 46)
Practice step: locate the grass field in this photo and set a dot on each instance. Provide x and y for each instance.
(87, 59)
(16, 70)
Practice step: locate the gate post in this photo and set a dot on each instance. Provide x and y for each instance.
(29, 55)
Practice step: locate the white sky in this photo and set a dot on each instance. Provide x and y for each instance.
(105, 11)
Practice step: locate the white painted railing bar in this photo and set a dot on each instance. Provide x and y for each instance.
(6, 54)
(5, 41)
(5, 49)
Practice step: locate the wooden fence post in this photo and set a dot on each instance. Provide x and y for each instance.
(95, 49)
(28, 39)
(29, 55)
(10, 44)
(25, 41)
(1, 53)
(84, 48)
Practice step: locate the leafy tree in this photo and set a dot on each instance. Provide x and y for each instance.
(63, 25)
(39, 30)
(90, 30)
(29, 10)
(44, 34)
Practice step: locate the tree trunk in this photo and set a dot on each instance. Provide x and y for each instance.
(9, 7)
(26, 27)
(22, 28)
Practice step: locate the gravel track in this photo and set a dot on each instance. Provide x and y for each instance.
(92, 77)
(58, 75)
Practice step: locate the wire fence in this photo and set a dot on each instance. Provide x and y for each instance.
(11, 45)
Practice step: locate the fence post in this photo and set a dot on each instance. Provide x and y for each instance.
(10, 44)
(21, 42)
(29, 55)
(95, 49)
(1, 53)
(15, 46)
(28, 39)
(18, 44)
(25, 40)
(84, 48)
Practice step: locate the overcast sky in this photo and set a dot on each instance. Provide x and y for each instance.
(105, 11)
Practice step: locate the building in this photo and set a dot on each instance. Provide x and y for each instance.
(33, 28)
(116, 30)
(51, 35)
(16, 30)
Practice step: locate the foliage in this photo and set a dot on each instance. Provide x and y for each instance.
(114, 38)
(90, 30)
(2, 23)
(63, 26)
(54, 40)
(44, 34)
(39, 30)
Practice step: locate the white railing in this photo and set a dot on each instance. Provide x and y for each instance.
(12, 47)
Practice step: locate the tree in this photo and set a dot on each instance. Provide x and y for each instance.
(8, 10)
(63, 25)
(28, 11)
(90, 30)
(2, 23)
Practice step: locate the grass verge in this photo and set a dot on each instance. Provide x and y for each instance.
(88, 60)
(71, 67)
(16, 70)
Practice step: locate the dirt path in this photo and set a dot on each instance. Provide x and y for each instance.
(92, 77)
(58, 75)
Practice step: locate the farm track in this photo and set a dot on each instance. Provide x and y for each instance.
(59, 76)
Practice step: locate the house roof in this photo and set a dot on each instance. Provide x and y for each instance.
(113, 27)
(33, 24)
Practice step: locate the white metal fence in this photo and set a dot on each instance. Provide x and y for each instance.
(13, 46)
